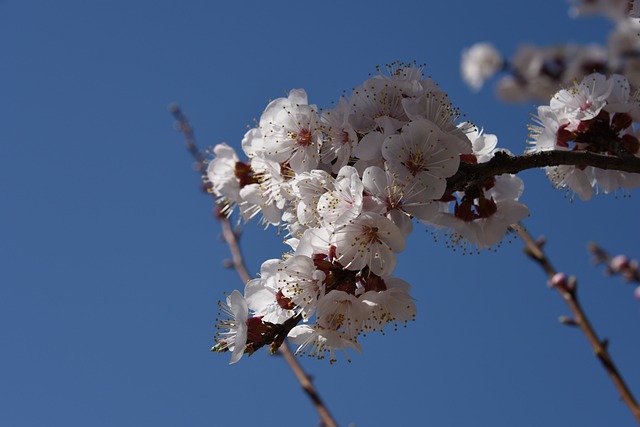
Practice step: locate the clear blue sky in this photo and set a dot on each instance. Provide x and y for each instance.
(111, 265)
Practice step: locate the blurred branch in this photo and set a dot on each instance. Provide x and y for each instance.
(231, 238)
(184, 127)
(229, 235)
(505, 163)
(567, 288)
(620, 264)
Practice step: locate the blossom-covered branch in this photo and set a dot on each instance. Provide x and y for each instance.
(503, 162)
(231, 238)
(347, 185)
(567, 288)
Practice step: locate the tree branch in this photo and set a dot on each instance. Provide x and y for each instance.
(469, 174)
(230, 237)
(620, 264)
(568, 292)
(307, 386)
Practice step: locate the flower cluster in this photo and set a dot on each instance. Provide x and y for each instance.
(596, 116)
(480, 62)
(346, 185)
(616, 10)
(535, 72)
(482, 213)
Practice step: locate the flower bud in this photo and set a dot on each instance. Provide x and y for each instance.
(559, 280)
(619, 262)
(621, 121)
(284, 302)
(631, 144)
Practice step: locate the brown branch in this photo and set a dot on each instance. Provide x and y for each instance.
(620, 264)
(230, 237)
(568, 291)
(185, 128)
(307, 386)
(469, 174)
(234, 246)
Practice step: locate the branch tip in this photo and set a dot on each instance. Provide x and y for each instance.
(566, 320)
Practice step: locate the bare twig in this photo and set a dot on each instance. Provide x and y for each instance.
(185, 128)
(568, 291)
(307, 386)
(230, 237)
(236, 254)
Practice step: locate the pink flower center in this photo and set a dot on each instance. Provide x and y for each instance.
(303, 137)
(345, 137)
(585, 105)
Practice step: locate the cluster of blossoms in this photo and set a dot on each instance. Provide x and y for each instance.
(596, 116)
(536, 72)
(347, 185)
(615, 10)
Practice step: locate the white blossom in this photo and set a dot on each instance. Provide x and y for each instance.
(302, 283)
(341, 137)
(291, 131)
(342, 311)
(576, 120)
(393, 305)
(480, 62)
(425, 153)
(584, 100)
(233, 330)
(343, 202)
(369, 241)
(221, 174)
(261, 294)
(318, 341)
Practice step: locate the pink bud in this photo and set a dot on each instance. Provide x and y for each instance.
(558, 280)
(637, 292)
(619, 262)
(469, 158)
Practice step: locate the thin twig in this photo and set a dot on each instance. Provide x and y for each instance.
(236, 254)
(568, 291)
(628, 268)
(230, 237)
(307, 386)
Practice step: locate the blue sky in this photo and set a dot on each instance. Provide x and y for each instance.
(112, 264)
